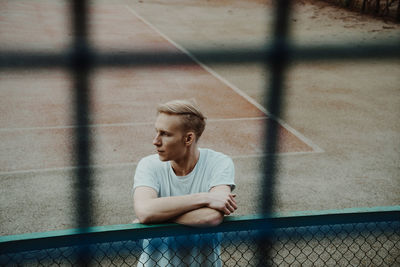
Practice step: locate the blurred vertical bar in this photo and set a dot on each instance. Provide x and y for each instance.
(80, 70)
(278, 63)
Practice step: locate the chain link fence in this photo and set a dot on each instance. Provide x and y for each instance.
(348, 244)
(339, 242)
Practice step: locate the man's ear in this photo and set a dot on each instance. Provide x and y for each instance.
(190, 138)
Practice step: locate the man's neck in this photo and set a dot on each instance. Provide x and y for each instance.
(186, 165)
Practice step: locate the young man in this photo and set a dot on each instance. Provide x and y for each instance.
(183, 183)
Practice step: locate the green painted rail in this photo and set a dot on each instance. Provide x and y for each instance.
(113, 233)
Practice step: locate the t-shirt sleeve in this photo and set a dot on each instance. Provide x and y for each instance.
(145, 175)
(223, 173)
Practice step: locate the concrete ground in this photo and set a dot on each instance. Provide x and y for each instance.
(348, 112)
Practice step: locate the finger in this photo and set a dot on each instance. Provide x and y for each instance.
(233, 204)
(226, 211)
(224, 208)
(230, 207)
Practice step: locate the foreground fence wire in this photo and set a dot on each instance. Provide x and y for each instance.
(368, 238)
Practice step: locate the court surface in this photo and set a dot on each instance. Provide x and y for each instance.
(37, 107)
(36, 121)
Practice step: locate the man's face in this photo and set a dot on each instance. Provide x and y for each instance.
(169, 139)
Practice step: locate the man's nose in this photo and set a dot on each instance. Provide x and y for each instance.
(156, 140)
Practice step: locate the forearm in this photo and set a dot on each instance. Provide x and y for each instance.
(165, 208)
(203, 217)
(209, 216)
(151, 209)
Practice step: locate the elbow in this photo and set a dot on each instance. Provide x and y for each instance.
(143, 216)
(212, 220)
(215, 221)
(144, 213)
(144, 219)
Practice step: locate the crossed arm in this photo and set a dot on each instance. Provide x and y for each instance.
(200, 210)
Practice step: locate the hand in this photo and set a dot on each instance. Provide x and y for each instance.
(222, 201)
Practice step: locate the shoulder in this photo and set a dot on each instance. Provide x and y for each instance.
(148, 172)
(219, 168)
(214, 157)
(209, 153)
(151, 161)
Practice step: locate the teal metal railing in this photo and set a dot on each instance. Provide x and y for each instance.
(348, 236)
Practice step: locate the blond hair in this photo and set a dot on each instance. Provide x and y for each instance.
(192, 118)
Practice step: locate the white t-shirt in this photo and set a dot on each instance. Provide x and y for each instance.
(212, 169)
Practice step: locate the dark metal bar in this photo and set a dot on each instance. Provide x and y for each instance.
(80, 69)
(333, 52)
(278, 62)
(81, 60)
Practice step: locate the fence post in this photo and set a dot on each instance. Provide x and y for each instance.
(277, 63)
(80, 70)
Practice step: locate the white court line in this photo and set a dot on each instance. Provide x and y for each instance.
(68, 168)
(307, 141)
(74, 126)
(132, 164)
(315, 148)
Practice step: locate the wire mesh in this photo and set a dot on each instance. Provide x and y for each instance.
(369, 244)
(355, 244)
